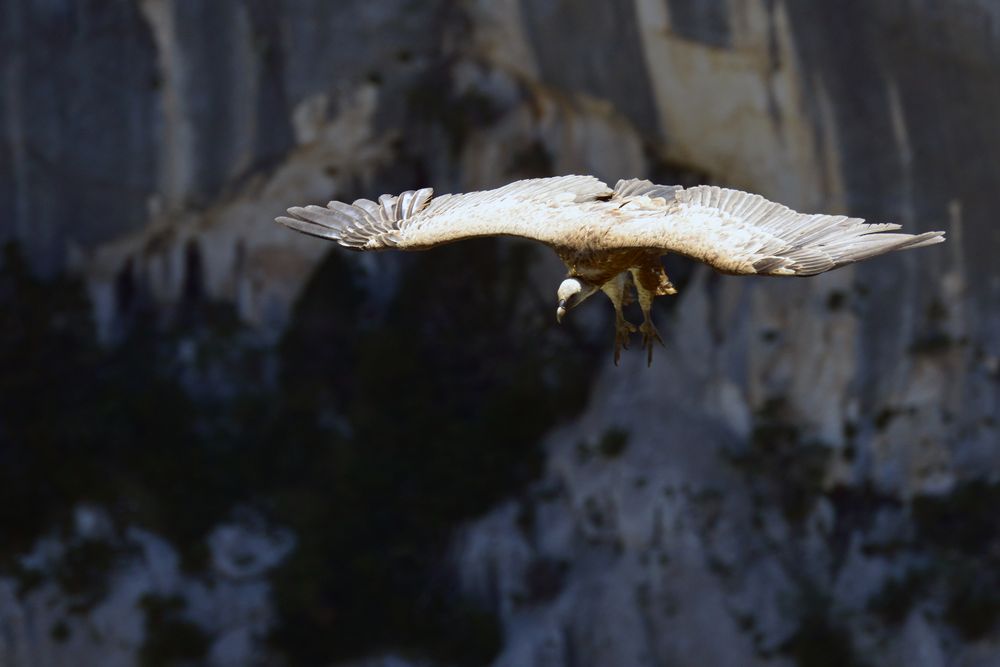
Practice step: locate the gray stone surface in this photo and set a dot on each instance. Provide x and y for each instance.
(79, 119)
(779, 446)
(114, 110)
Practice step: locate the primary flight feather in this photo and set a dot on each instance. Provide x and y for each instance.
(606, 236)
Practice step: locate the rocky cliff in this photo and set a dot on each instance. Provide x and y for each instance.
(806, 476)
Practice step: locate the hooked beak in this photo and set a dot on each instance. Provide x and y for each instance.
(561, 311)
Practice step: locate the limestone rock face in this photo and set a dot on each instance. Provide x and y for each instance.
(777, 488)
(147, 595)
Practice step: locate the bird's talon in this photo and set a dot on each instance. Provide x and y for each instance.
(649, 336)
(623, 329)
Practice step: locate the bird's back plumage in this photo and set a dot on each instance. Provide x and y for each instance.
(734, 231)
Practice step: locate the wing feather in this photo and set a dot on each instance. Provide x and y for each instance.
(738, 232)
(626, 191)
(543, 209)
(734, 231)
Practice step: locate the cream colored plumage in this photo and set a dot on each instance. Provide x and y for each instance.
(604, 234)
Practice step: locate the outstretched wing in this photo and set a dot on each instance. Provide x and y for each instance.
(738, 232)
(543, 209)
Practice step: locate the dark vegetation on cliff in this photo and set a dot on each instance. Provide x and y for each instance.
(948, 551)
(382, 429)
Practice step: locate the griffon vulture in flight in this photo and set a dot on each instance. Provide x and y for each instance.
(606, 235)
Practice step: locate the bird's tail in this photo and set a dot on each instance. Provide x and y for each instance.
(363, 225)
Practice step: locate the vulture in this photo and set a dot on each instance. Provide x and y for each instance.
(612, 239)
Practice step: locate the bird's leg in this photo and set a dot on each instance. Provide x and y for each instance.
(628, 293)
(648, 330)
(615, 289)
(623, 329)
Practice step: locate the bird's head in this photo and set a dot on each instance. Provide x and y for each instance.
(572, 293)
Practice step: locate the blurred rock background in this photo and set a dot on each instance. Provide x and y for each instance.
(224, 443)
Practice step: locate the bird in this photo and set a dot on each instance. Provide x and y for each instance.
(612, 239)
